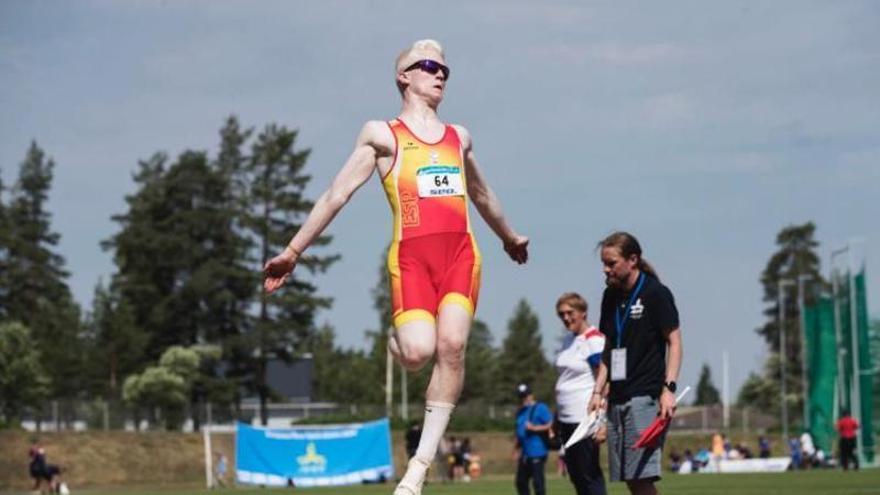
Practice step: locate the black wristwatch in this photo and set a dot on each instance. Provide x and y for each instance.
(671, 386)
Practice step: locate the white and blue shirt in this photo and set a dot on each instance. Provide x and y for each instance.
(575, 361)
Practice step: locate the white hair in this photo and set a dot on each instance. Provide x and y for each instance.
(427, 44)
(420, 45)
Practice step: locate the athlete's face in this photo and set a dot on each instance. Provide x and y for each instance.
(618, 269)
(422, 82)
(572, 318)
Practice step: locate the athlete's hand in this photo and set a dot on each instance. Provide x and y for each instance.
(667, 404)
(517, 248)
(278, 270)
(596, 403)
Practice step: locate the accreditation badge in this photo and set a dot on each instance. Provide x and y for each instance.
(618, 364)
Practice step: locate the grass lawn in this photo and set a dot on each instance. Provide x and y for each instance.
(797, 483)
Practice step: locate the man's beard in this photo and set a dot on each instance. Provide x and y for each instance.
(612, 281)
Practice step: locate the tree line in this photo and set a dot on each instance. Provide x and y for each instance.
(183, 319)
(188, 254)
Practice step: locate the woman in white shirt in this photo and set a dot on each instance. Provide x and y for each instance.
(576, 363)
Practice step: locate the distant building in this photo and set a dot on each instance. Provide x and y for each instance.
(293, 382)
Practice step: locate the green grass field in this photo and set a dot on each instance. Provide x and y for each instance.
(800, 483)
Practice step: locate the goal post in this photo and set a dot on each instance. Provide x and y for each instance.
(209, 449)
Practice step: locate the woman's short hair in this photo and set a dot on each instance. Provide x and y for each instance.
(574, 300)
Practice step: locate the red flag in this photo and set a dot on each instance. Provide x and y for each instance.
(650, 438)
(654, 432)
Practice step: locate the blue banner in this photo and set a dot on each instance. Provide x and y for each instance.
(314, 456)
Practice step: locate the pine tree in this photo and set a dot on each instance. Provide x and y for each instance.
(182, 262)
(41, 299)
(276, 207)
(795, 258)
(522, 358)
(707, 394)
(117, 343)
(145, 273)
(179, 259)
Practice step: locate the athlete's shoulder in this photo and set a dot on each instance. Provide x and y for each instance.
(377, 133)
(463, 135)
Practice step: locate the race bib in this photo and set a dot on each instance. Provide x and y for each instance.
(436, 181)
(618, 364)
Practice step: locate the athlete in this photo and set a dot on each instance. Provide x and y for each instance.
(429, 172)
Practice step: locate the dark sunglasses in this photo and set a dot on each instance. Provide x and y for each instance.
(429, 66)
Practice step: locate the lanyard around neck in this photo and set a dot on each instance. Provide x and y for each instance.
(621, 322)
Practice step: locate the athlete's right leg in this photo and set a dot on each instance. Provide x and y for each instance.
(413, 344)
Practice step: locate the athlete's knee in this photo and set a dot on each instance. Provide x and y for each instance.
(413, 355)
(451, 347)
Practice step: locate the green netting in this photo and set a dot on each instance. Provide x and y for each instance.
(830, 368)
(827, 388)
(821, 371)
(866, 368)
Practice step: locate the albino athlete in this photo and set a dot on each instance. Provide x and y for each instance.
(429, 172)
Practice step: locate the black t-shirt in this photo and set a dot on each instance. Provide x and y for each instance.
(652, 313)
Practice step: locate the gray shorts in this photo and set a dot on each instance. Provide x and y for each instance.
(626, 422)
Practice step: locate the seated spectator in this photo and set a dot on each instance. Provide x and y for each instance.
(744, 451)
(808, 450)
(734, 454)
(728, 447)
(674, 461)
(689, 465)
(702, 458)
(464, 458)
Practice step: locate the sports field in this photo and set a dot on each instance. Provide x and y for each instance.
(800, 483)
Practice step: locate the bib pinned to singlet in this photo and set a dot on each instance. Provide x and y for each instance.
(436, 181)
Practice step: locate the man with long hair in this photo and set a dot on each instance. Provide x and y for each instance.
(641, 359)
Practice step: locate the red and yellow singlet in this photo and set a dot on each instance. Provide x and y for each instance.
(433, 259)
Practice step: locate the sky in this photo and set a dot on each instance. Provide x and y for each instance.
(702, 129)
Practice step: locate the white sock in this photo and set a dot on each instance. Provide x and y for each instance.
(436, 419)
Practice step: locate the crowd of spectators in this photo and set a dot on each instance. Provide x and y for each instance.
(802, 451)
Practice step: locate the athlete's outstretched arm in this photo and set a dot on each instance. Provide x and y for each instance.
(488, 205)
(354, 173)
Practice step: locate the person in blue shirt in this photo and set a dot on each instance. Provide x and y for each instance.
(533, 425)
(763, 447)
(794, 446)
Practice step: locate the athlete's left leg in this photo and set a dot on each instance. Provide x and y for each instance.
(447, 381)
